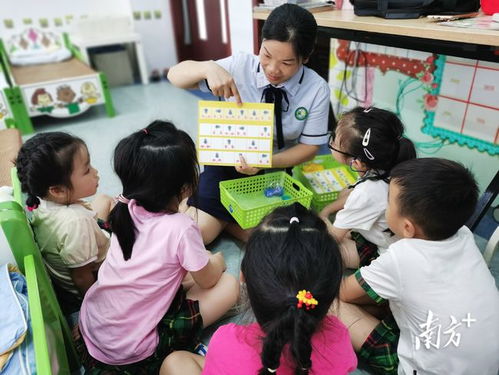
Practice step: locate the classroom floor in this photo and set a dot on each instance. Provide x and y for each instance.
(136, 106)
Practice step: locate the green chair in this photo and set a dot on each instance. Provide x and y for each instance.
(54, 349)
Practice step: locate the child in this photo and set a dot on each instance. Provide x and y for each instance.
(371, 142)
(138, 312)
(55, 172)
(292, 269)
(277, 76)
(440, 291)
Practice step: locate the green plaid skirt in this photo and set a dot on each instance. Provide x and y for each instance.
(367, 250)
(379, 350)
(179, 329)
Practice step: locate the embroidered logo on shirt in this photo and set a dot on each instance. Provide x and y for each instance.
(301, 113)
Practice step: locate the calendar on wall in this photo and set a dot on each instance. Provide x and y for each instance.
(227, 131)
(457, 97)
(465, 106)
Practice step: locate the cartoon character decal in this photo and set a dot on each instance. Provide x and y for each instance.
(89, 93)
(67, 98)
(42, 101)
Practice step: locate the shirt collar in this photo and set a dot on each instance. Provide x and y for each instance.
(50, 205)
(291, 85)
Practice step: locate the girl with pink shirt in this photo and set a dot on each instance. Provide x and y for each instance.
(292, 269)
(139, 309)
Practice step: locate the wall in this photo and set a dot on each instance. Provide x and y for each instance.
(152, 20)
(402, 80)
(54, 14)
(241, 25)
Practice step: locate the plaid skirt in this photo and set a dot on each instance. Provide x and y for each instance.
(367, 250)
(179, 329)
(379, 350)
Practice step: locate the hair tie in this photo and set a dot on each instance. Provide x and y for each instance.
(368, 109)
(33, 207)
(271, 370)
(145, 131)
(306, 298)
(122, 199)
(294, 219)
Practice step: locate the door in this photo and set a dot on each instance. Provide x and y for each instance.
(201, 29)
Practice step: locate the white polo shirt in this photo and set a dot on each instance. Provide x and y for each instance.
(364, 212)
(445, 302)
(306, 119)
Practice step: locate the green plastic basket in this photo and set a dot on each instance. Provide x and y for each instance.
(321, 200)
(244, 198)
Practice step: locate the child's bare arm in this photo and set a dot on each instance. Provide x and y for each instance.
(208, 276)
(83, 277)
(337, 205)
(352, 292)
(103, 204)
(338, 233)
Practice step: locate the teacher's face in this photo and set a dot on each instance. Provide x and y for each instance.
(279, 61)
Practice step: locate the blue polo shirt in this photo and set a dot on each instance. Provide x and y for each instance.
(306, 118)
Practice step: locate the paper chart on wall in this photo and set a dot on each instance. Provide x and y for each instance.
(227, 130)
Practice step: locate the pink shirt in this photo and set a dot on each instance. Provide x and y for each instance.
(236, 349)
(120, 312)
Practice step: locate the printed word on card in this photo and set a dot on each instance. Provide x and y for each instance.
(227, 131)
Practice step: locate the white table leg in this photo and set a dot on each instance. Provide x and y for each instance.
(84, 54)
(141, 62)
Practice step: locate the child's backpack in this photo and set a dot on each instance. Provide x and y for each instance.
(412, 8)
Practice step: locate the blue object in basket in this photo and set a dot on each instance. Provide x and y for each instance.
(274, 190)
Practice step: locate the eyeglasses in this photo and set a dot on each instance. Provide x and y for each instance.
(330, 145)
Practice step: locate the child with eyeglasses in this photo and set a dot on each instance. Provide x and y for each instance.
(371, 142)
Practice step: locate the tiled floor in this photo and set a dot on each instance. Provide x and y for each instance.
(136, 107)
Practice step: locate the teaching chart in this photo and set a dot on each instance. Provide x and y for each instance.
(227, 131)
(329, 180)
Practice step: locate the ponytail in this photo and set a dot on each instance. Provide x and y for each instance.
(407, 151)
(155, 166)
(301, 346)
(124, 229)
(296, 327)
(32, 202)
(281, 269)
(278, 334)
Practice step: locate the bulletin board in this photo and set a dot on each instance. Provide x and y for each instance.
(227, 131)
(457, 97)
(465, 103)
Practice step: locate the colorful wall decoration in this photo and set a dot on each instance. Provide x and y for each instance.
(457, 97)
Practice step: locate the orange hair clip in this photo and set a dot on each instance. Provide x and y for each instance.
(306, 298)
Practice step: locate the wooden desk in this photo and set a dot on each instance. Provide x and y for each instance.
(418, 34)
(416, 28)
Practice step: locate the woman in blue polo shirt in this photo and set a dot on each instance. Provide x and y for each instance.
(277, 75)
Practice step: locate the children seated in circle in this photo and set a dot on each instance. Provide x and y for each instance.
(56, 174)
(443, 298)
(371, 142)
(138, 310)
(292, 270)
